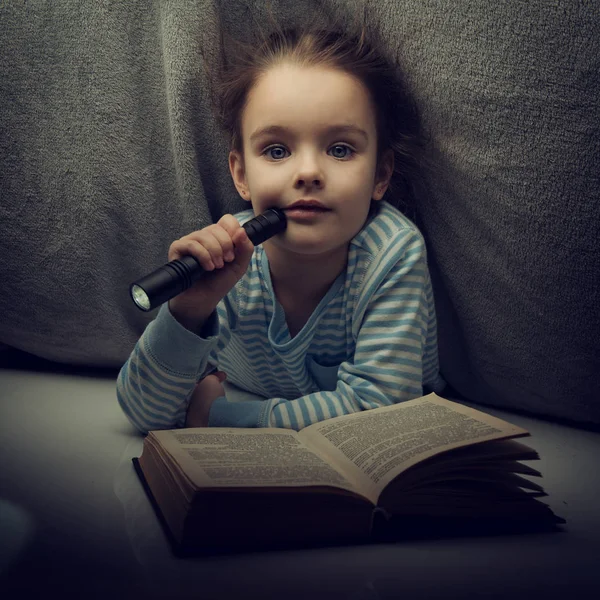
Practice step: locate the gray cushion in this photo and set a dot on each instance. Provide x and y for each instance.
(510, 93)
(108, 153)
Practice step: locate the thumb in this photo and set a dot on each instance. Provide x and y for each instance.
(242, 242)
(244, 249)
(221, 375)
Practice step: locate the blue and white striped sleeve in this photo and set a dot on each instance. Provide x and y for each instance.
(392, 322)
(155, 384)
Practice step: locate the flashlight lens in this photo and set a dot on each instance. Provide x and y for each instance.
(140, 297)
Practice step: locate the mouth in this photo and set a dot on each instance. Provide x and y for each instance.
(307, 205)
(306, 213)
(306, 209)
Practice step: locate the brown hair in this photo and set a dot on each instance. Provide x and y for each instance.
(352, 47)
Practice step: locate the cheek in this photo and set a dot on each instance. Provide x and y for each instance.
(357, 181)
(265, 181)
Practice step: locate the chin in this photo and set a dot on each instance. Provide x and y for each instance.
(315, 247)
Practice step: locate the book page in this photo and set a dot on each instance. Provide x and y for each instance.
(375, 446)
(229, 457)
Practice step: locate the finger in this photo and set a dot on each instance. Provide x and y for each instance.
(214, 385)
(191, 247)
(202, 245)
(221, 375)
(242, 241)
(231, 225)
(188, 246)
(223, 235)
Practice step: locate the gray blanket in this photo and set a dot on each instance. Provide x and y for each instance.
(109, 152)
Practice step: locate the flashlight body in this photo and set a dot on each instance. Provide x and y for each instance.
(176, 276)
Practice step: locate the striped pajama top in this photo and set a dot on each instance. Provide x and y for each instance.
(371, 341)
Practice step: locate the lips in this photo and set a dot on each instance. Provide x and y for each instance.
(308, 208)
(308, 205)
(306, 214)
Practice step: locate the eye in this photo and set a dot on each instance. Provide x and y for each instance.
(341, 151)
(275, 152)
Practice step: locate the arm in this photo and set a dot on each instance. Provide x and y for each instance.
(154, 386)
(393, 321)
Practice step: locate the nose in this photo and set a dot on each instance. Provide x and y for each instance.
(309, 173)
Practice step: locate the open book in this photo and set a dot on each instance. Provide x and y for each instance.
(422, 461)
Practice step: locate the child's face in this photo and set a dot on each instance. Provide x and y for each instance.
(309, 133)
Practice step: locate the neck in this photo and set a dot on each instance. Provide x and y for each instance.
(303, 276)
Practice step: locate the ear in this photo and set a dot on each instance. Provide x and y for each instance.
(385, 169)
(238, 174)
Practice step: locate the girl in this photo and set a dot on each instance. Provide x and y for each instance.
(335, 314)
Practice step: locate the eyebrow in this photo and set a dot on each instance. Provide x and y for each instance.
(279, 130)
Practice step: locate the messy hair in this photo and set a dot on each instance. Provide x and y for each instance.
(354, 48)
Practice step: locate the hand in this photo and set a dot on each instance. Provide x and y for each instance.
(206, 392)
(223, 248)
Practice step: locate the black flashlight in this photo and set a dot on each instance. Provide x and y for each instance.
(178, 275)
